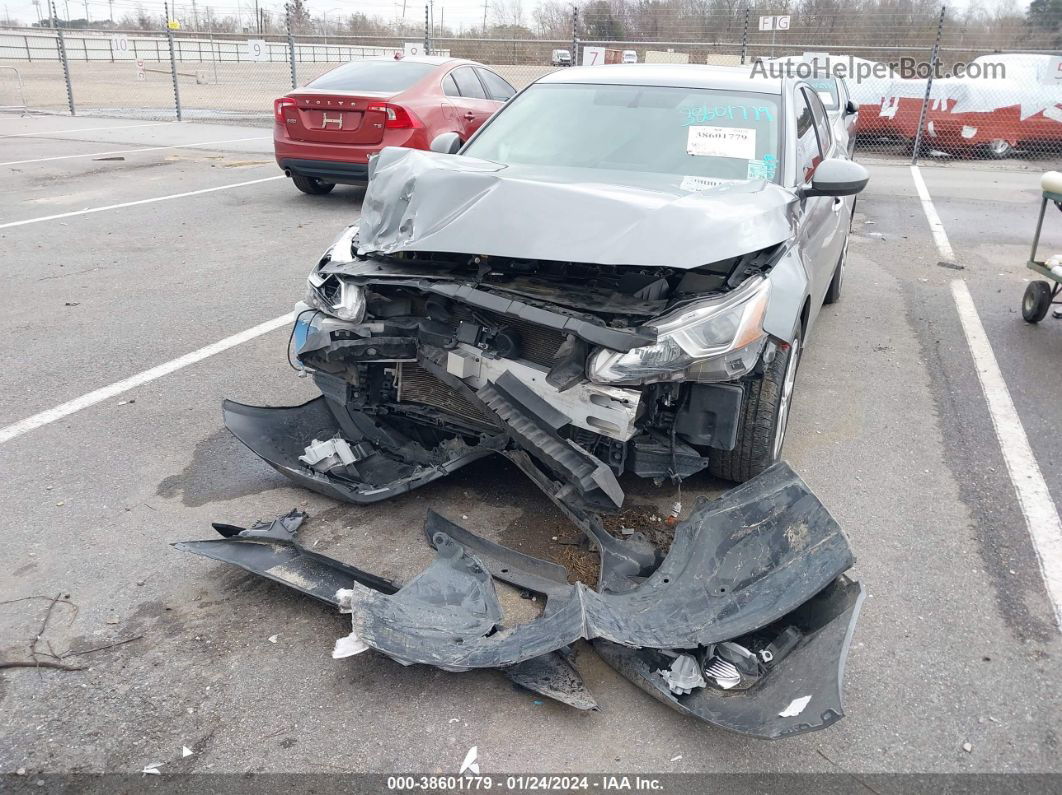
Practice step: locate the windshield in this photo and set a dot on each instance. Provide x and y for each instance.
(688, 132)
(826, 88)
(387, 75)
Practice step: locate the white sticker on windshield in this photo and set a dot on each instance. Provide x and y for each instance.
(703, 183)
(826, 97)
(705, 141)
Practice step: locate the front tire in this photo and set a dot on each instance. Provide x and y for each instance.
(764, 418)
(1036, 301)
(312, 185)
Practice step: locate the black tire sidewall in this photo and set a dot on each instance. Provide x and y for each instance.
(1041, 294)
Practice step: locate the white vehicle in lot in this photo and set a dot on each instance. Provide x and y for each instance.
(560, 58)
(630, 56)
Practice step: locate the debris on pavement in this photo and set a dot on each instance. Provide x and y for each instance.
(744, 623)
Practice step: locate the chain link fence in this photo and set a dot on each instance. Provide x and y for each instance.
(928, 85)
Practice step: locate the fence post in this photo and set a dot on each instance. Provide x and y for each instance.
(929, 86)
(575, 35)
(173, 63)
(745, 36)
(427, 34)
(291, 50)
(62, 57)
(25, 41)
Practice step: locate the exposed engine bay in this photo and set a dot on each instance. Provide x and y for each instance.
(435, 357)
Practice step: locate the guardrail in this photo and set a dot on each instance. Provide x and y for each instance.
(44, 47)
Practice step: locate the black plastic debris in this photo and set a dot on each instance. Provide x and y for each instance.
(744, 624)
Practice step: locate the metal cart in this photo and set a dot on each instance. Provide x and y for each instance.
(1040, 295)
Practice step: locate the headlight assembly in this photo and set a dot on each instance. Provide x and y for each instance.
(335, 296)
(331, 293)
(343, 248)
(714, 340)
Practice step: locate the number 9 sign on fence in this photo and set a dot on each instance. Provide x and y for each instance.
(257, 50)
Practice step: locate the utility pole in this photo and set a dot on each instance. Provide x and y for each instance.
(86, 13)
(257, 17)
(110, 10)
(486, 5)
(195, 16)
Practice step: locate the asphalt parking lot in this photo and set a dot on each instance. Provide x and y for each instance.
(127, 246)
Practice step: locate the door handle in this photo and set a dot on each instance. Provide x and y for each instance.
(470, 116)
(838, 203)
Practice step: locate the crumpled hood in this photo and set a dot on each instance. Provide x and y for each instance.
(424, 201)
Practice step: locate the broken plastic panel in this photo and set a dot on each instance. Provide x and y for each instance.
(269, 549)
(737, 564)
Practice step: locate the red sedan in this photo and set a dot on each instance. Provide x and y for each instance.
(325, 132)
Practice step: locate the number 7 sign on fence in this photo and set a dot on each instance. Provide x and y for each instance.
(593, 56)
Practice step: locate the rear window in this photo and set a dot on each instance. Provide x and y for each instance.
(372, 76)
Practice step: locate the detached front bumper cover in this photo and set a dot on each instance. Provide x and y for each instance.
(765, 561)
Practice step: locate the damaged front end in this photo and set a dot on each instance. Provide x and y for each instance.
(745, 623)
(582, 369)
(579, 357)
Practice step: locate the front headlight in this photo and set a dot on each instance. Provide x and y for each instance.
(715, 340)
(343, 248)
(334, 294)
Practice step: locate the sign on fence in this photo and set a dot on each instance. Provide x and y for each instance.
(593, 56)
(257, 50)
(774, 23)
(413, 48)
(121, 49)
(1053, 72)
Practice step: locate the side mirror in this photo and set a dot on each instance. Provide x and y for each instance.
(851, 108)
(837, 177)
(446, 143)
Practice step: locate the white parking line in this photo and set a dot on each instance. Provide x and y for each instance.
(90, 210)
(45, 133)
(1034, 498)
(104, 393)
(940, 237)
(132, 151)
(1041, 516)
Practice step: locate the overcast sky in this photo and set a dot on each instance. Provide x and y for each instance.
(463, 13)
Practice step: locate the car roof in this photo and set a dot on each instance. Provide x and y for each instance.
(730, 78)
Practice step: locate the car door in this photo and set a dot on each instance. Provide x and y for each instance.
(471, 106)
(821, 235)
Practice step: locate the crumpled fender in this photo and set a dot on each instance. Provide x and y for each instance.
(736, 565)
